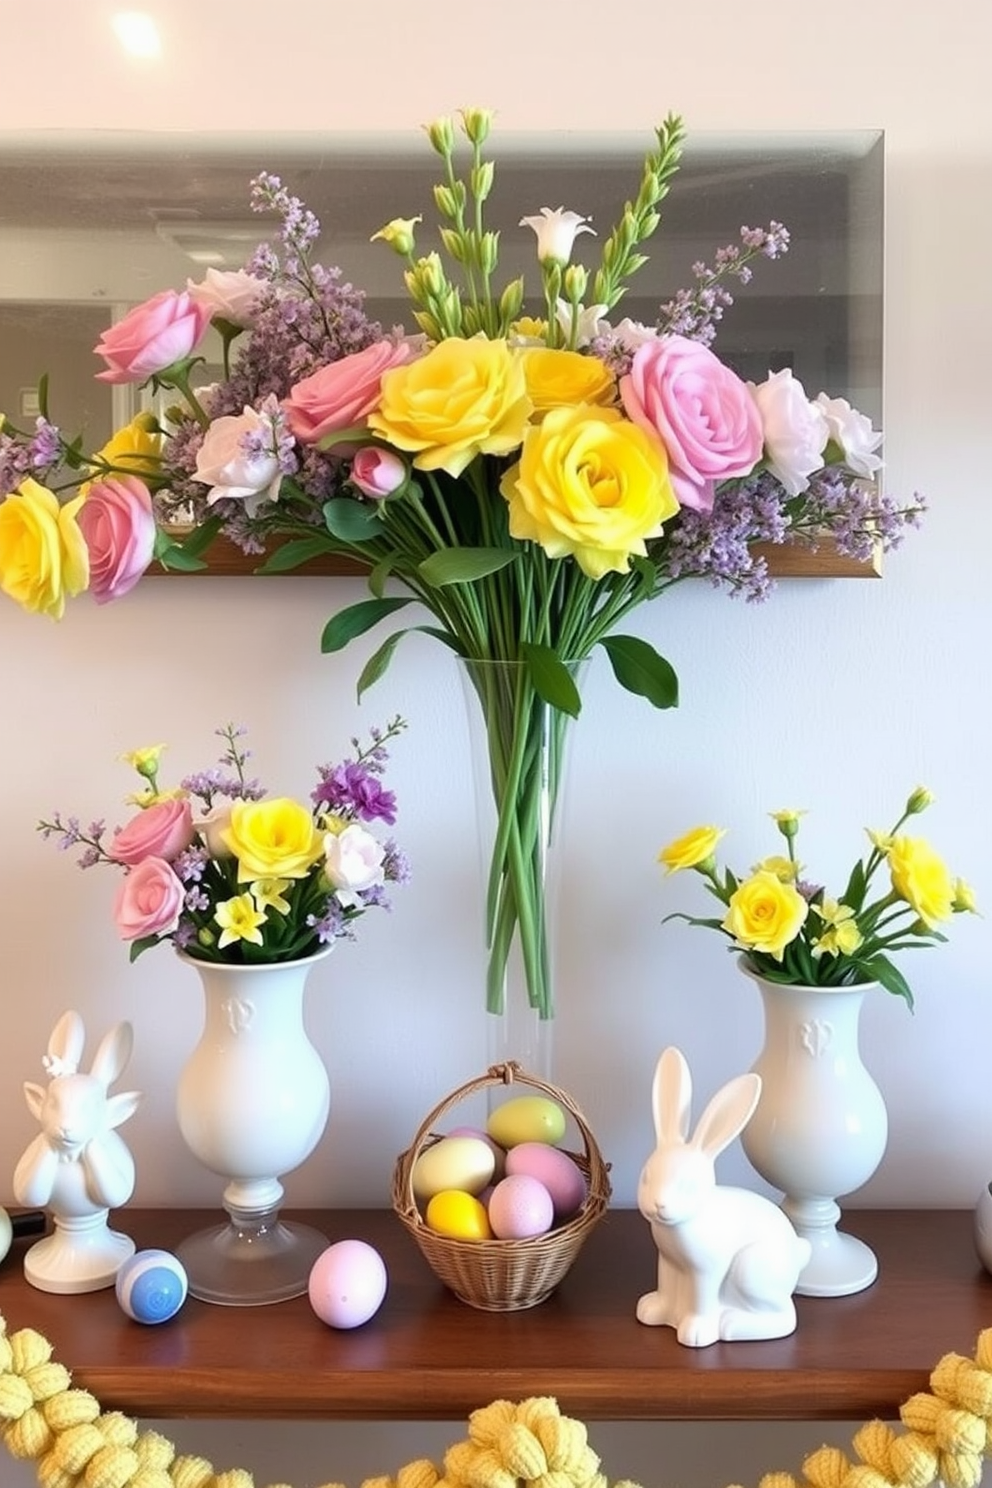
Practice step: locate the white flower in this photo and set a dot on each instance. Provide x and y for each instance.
(853, 432)
(211, 826)
(238, 460)
(229, 293)
(795, 430)
(556, 233)
(586, 318)
(353, 862)
(630, 334)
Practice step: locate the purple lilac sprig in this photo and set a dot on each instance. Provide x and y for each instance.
(71, 836)
(22, 456)
(696, 312)
(353, 788)
(227, 779)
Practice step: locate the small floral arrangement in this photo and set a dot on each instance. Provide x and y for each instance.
(792, 931)
(248, 878)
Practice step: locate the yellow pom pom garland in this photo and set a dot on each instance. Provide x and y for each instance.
(74, 1444)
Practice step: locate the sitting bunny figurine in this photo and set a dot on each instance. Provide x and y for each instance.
(728, 1259)
(78, 1165)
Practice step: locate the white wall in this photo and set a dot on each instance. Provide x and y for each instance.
(839, 696)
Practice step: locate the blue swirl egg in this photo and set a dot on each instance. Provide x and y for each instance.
(151, 1286)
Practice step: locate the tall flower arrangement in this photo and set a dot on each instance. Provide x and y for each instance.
(526, 472)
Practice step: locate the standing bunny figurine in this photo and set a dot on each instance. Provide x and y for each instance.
(728, 1259)
(78, 1165)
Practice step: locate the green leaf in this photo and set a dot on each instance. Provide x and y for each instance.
(172, 556)
(343, 627)
(198, 541)
(857, 887)
(357, 434)
(462, 565)
(43, 396)
(553, 682)
(291, 554)
(883, 971)
(144, 944)
(378, 576)
(638, 667)
(350, 520)
(378, 663)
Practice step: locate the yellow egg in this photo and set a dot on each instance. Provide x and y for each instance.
(527, 1118)
(458, 1215)
(464, 1163)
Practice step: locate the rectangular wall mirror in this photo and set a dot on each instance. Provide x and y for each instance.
(93, 224)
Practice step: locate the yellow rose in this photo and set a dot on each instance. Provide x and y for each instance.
(591, 485)
(43, 554)
(692, 849)
(464, 398)
(764, 914)
(560, 379)
(134, 450)
(272, 839)
(921, 878)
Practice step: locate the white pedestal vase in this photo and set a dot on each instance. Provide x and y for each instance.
(252, 1104)
(821, 1126)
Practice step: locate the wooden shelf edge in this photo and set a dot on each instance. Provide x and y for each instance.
(785, 561)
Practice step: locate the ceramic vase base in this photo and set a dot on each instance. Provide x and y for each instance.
(252, 1260)
(77, 1257)
(840, 1265)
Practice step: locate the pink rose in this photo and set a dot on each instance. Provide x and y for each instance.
(160, 831)
(343, 393)
(702, 412)
(118, 524)
(148, 901)
(151, 337)
(377, 472)
(231, 294)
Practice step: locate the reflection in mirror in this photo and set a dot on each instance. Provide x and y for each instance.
(91, 225)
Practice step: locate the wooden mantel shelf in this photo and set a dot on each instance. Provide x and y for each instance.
(428, 1356)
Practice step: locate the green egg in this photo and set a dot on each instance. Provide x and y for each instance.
(527, 1118)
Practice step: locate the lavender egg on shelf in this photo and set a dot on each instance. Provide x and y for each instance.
(347, 1284)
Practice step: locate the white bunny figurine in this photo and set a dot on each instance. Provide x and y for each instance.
(78, 1165)
(728, 1259)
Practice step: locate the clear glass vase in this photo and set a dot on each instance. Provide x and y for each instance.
(519, 748)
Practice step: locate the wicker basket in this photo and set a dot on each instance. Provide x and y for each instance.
(503, 1275)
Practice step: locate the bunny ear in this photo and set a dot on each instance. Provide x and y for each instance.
(65, 1046)
(671, 1096)
(113, 1053)
(727, 1114)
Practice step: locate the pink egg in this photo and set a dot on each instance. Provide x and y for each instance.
(347, 1284)
(520, 1207)
(563, 1178)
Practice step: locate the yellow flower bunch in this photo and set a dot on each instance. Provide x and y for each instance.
(792, 931)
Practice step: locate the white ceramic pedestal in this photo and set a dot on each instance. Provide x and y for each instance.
(82, 1254)
(820, 1127)
(252, 1103)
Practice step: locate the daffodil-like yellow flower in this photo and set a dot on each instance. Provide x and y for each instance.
(841, 936)
(398, 234)
(880, 840)
(239, 920)
(921, 878)
(765, 915)
(151, 797)
(784, 869)
(693, 850)
(464, 398)
(146, 761)
(787, 821)
(134, 450)
(43, 555)
(269, 893)
(529, 330)
(273, 838)
(589, 485)
(964, 898)
(560, 379)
